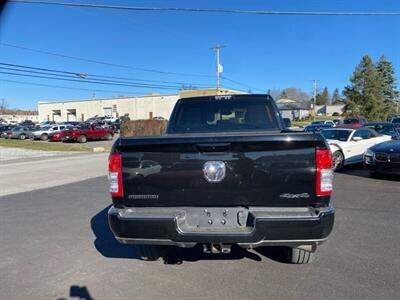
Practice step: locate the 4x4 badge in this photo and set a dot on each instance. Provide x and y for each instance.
(214, 171)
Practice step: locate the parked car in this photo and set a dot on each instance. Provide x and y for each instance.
(84, 133)
(227, 172)
(72, 123)
(353, 122)
(383, 158)
(44, 132)
(159, 118)
(317, 127)
(4, 129)
(19, 132)
(45, 123)
(348, 145)
(322, 122)
(396, 121)
(28, 123)
(338, 121)
(385, 128)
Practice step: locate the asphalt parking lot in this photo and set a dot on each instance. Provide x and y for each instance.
(55, 244)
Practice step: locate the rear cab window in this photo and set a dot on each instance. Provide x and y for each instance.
(227, 114)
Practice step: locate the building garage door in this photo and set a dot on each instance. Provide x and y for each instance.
(56, 116)
(108, 111)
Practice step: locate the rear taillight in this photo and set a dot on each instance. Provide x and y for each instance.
(115, 175)
(324, 172)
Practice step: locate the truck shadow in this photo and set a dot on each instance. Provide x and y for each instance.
(107, 245)
(105, 242)
(179, 255)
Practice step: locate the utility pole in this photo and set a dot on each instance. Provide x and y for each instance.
(219, 67)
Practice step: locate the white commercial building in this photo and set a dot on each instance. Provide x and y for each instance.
(138, 107)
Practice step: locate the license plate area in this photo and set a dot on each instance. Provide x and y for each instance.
(216, 219)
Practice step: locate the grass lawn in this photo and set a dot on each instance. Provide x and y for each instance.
(300, 123)
(40, 145)
(317, 118)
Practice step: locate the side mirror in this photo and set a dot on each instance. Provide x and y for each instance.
(357, 138)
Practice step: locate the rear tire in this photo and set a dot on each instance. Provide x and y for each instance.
(108, 137)
(149, 252)
(301, 255)
(337, 160)
(22, 137)
(44, 137)
(82, 139)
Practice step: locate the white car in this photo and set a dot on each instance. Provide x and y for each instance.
(43, 133)
(348, 145)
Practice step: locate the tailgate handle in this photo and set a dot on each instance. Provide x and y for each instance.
(216, 147)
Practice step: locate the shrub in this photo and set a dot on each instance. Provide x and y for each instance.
(143, 128)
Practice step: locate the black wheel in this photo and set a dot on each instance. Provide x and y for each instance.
(44, 137)
(82, 139)
(149, 252)
(337, 160)
(22, 137)
(301, 255)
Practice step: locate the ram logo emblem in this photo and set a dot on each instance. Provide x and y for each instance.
(214, 171)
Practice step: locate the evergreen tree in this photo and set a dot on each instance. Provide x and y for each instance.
(323, 98)
(364, 96)
(336, 97)
(390, 92)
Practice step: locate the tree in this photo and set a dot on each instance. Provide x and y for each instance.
(283, 95)
(323, 98)
(389, 88)
(3, 106)
(336, 99)
(364, 95)
(294, 94)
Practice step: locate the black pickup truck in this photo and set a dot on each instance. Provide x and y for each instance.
(226, 172)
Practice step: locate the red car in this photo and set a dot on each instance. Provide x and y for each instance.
(353, 122)
(82, 134)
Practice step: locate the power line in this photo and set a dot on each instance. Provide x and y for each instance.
(84, 76)
(209, 10)
(102, 62)
(82, 79)
(63, 87)
(243, 84)
(91, 81)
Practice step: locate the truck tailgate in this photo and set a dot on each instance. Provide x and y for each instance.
(261, 170)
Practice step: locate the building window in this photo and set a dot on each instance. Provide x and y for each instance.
(150, 115)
